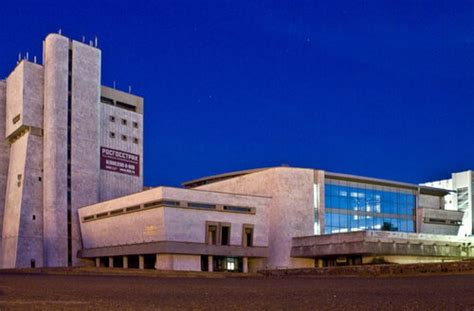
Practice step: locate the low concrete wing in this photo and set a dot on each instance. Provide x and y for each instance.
(383, 243)
(176, 221)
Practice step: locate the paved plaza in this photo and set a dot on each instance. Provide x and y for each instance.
(82, 292)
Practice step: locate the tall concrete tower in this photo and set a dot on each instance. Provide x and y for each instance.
(22, 226)
(71, 129)
(69, 142)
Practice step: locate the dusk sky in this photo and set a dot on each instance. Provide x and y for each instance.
(375, 88)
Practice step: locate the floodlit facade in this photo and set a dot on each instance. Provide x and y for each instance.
(178, 229)
(66, 142)
(71, 192)
(277, 217)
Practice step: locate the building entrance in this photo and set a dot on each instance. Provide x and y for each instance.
(227, 264)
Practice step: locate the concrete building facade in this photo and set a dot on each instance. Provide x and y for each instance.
(460, 198)
(4, 160)
(55, 124)
(178, 229)
(71, 192)
(297, 218)
(316, 203)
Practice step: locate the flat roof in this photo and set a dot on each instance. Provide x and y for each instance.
(120, 97)
(137, 195)
(385, 182)
(331, 175)
(219, 177)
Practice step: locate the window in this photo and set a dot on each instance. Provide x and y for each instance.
(112, 118)
(170, 203)
(126, 106)
(102, 215)
(161, 203)
(231, 266)
(135, 140)
(16, 119)
(237, 209)
(124, 138)
(201, 205)
(132, 208)
(225, 234)
(124, 122)
(116, 212)
(217, 233)
(463, 198)
(107, 101)
(211, 234)
(247, 236)
(135, 124)
(112, 135)
(153, 204)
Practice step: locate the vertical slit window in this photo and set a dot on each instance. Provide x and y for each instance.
(69, 170)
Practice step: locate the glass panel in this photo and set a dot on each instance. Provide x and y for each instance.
(344, 222)
(344, 202)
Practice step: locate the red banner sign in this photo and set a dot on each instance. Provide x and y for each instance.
(119, 161)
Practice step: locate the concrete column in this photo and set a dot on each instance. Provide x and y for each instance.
(141, 262)
(111, 262)
(125, 262)
(246, 265)
(97, 262)
(210, 266)
(156, 262)
(320, 263)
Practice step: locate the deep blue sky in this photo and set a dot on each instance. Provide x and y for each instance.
(377, 88)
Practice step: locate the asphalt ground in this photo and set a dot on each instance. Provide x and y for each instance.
(93, 292)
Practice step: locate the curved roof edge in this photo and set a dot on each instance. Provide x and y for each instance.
(384, 182)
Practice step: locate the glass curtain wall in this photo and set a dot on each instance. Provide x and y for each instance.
(351, 206)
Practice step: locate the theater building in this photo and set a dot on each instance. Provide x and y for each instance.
(71, 192)
(273, 218)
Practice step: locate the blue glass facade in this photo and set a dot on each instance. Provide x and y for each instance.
(353, 206)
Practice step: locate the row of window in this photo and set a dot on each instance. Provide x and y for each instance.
(118, 104)
(369, 200)
(124, 137)
(123, 121)
(442, 221)
(335, 222)
(218, 233)
(170, 203)
(357, 206)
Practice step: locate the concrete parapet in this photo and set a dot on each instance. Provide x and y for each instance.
(376, 270)
(384, 243)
